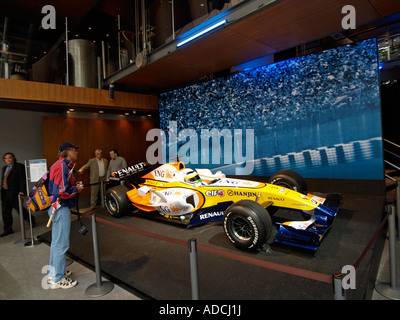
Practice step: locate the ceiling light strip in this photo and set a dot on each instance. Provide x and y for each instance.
(199, 34)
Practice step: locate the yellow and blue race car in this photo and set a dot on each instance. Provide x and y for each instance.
(194, 197)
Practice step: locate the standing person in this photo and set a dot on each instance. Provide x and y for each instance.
(116, 163)
(98, 168)
(13, 184)
(64, 190)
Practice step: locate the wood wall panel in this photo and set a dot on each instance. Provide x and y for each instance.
(55, 94)
(128, 137)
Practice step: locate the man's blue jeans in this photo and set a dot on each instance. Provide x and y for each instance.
(59, 242)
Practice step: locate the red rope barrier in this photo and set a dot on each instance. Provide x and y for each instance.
(358, 262)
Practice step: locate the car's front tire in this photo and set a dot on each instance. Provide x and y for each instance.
(116, 201)
(247, 225)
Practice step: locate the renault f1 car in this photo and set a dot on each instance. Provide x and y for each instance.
(194, 197)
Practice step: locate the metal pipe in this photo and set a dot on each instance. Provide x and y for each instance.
(98, 73)
(194, 273)
(136, 28)
(339, 292)
(392, 153)
(102, 193)
(21, 221)
(5, 28)
(103, 57)
(96, 251)
(66, 52)
(144, 27)
(119, 42)
(398, 207)
(99, 288)
(391, 290)
(173, 19)
(394, 166)
(392, 143)
(392, 248)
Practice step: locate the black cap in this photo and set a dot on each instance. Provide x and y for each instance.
(66, 145)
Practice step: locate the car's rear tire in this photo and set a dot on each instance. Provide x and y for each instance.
(116, 201)
(289, 179)
(247, 225)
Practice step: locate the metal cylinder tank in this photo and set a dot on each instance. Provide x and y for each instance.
(82, 63)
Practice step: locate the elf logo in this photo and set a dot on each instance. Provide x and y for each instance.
(213, 193)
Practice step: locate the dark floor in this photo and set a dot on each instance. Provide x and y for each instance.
(152, 256)
(150, 259)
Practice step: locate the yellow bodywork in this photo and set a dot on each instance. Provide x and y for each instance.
(222, 190)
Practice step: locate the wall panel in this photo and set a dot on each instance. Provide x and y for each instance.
(128, 137)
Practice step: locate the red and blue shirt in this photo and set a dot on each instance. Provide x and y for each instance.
(62, 182)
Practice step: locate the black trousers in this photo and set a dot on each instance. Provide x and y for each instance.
(7, 204)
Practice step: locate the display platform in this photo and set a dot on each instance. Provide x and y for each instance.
(152, 257)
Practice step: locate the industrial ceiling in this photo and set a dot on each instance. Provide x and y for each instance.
(254, 29)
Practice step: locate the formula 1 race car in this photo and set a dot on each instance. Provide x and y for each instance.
(194, 197)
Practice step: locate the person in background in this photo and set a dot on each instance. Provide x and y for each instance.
(13, 184)
(98, 168)
(64, 190)
(116, 163)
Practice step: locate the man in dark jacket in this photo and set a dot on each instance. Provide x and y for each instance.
(13, 183)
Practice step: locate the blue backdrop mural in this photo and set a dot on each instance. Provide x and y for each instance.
(318, 115)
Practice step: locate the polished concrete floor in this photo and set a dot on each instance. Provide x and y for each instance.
(22, 269)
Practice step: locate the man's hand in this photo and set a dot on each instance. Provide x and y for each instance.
(79, 187)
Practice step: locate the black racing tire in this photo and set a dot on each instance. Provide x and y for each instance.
(289, 179)
(247, 225)
(116, 201)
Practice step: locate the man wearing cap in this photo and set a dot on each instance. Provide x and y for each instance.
(64, 190)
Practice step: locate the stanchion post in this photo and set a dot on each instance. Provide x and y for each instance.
(194, 273)
(398, 208)
(100, 288)
(102, 192)
(21, 221)
(32, 242)
(391, 291)
(338, 290)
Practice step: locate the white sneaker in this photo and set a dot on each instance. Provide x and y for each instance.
(64, 283)
(67, 274)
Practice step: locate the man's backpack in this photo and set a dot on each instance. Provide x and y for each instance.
(39, 198)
